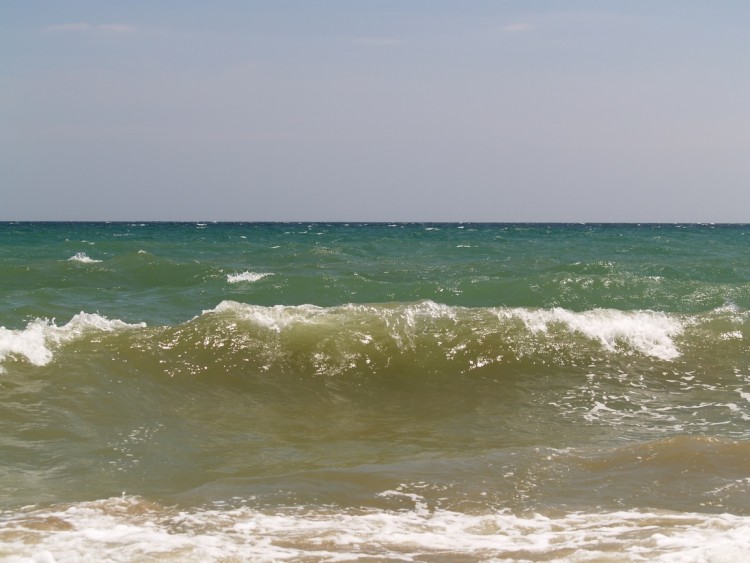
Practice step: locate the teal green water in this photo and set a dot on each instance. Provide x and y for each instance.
(384, 391)
(167, 273)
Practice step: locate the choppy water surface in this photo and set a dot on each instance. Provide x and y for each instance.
(406, 392)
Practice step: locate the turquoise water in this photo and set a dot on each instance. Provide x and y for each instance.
(168, 272)
(380, 391)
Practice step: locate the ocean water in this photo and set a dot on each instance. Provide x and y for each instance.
(374, 392)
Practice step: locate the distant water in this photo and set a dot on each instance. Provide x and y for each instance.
(402, 392)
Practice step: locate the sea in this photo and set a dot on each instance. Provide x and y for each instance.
(431, 392)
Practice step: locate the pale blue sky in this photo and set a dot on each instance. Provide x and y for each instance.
(375, 110)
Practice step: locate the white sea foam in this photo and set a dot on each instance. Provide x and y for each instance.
(733, 335)
(425, 310)
(277, 317)
(38, 340)
(30, 342)
(246, 277)
(649, 332)
(82, 257)
(127, 529)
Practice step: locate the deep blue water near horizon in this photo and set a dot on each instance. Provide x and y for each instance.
(390, 391)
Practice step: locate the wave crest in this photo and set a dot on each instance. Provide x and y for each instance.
(37, 341)
(647, 332)
(83, 258)
(247, 276)
(424, 335)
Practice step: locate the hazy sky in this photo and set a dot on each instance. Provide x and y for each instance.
(375, 110)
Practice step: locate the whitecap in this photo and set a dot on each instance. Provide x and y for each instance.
(275, 318)
(82, 257)
(649, 332)
(247, 277)
(38, 340)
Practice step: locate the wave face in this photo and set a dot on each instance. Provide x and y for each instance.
(405, 392)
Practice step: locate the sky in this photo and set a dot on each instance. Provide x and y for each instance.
(375, 110)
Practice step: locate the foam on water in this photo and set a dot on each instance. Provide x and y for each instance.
(82, 257)
(246, 276)
(129, 529)
(37, 341)
(648, 332)
(277, 317)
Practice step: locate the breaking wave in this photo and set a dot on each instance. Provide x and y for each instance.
(41, 337)
(378, 336)
(83, 258)
(249, 277)
(131, 528)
